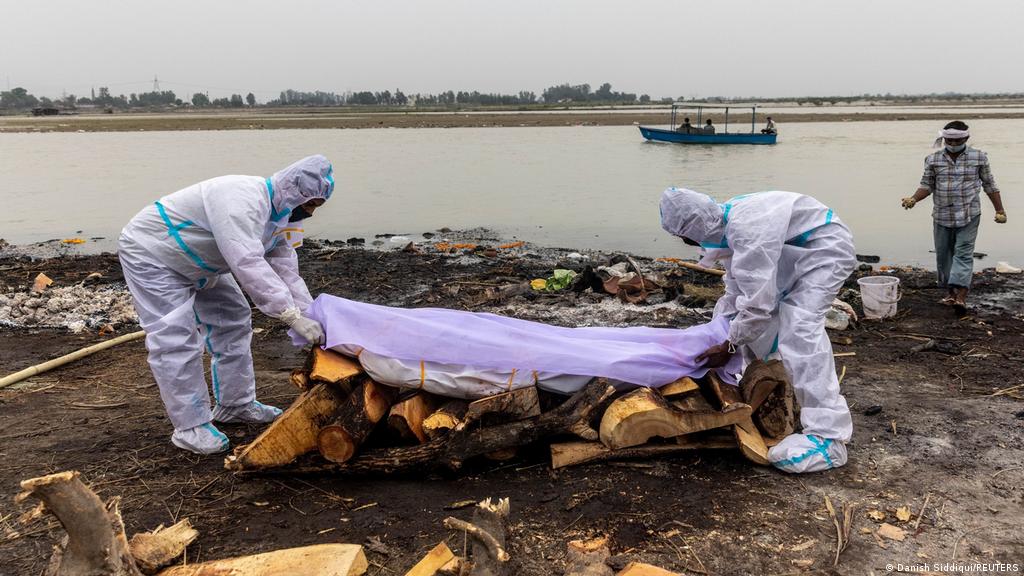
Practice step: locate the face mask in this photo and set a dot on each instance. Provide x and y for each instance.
(955, 149)
(298, 213)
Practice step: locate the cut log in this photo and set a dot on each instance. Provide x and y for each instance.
(333, 368)
(316, 560)
(293, 434)
(518, 404)
(488, 551)
(679, 387)
(641, 569)
(433, 562)
(156, 549)
(367, 405)
(573, 453)
(748, 437)
(406, 417)
(445, 418)
(767, 385)
(95, 543)
(464, 443)
(643, 414)
(587, 558)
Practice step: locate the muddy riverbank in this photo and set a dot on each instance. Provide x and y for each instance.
(939, 430)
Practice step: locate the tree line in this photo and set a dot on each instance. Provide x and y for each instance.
(20, 99)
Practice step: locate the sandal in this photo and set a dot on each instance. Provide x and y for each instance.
(948, 301)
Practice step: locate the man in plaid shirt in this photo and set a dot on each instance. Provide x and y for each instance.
(954, 176)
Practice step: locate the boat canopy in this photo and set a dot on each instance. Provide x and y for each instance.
(699, 107)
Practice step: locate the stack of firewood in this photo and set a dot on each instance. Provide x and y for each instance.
(358, 425)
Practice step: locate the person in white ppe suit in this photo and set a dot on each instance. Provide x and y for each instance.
(186, 259)
(786, 256)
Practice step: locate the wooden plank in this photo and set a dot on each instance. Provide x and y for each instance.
(433, 561)
(316, 560)
(294, 432)
(679, 387)
(572, 453)
(643, 414)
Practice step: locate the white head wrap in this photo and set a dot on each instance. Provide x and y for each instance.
(952, 134)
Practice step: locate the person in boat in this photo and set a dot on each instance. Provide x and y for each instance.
(786, 256)
(685, 127)
(769, 127)
(709, 128)
(186, 259)
(954, 176)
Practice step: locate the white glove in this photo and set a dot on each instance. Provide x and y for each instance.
(310, 330)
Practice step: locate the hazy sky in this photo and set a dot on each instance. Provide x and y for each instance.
(662, 48)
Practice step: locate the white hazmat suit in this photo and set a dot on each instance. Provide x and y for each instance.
(786, 257)
(186, 259)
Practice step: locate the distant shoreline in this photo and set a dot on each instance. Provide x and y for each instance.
(314, 118)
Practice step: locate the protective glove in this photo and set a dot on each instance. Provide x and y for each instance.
(909, 203)
(310, 330)
(1000, 217)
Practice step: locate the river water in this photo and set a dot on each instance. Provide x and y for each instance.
(578, 187)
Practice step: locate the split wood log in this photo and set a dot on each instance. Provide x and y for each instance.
(464, 443)
(299, 379)
(518, 404)
(332, 367)
(367, 405)
(641, 569)
(316, 560)
(643, 414)
(748, 437)
(573, 453)
(679, 387)
(587, 558)
(445, 418)
(293, 434)
(95, 544)
(438, 557)
(156, 549)
(68, 358)
(766, 387)
(406, 417)
(488, 551)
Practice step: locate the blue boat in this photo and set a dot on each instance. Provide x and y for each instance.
(694, 134)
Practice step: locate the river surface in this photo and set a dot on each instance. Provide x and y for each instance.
(578, 187)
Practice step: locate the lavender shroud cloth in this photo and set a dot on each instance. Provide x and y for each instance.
(650, 357)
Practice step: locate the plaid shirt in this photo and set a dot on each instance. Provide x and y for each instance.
(955, 184)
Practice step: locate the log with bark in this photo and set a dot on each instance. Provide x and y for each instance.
(405, 420)
(332, 368)
(572, 453)
(95, 544)
(467, 442)
(748, 437)
(766, 387)
(506, 407)
(354, 419)
(587, 558)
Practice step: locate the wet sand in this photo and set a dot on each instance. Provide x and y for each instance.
(330, 118)
(938, 434)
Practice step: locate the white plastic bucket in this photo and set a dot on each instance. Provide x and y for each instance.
(879, 294)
